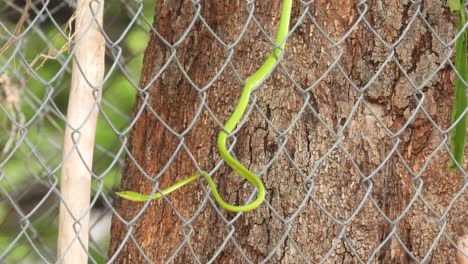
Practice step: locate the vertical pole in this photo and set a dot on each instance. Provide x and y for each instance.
(462, 243)
(85, 93)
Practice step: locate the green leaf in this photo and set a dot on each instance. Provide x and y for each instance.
(455, 5)
(458, 134)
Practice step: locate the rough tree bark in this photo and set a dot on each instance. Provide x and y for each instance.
(337, 184)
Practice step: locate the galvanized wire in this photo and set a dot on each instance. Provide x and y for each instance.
(32, 121)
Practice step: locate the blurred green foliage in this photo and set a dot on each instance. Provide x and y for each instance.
(43, 103)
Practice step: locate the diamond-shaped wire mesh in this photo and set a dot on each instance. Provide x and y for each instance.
(35, 75)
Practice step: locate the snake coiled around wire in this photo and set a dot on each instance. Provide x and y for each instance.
(251, 83)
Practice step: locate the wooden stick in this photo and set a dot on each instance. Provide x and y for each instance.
(18, 27)
(462, 243)
(80, 133)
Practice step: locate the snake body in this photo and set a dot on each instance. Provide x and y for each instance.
(251, 83)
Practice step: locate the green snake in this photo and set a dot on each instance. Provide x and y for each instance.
(251, 83)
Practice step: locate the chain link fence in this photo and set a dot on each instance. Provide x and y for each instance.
(35, 76)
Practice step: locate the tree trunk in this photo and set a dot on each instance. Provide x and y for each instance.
(359, 177)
